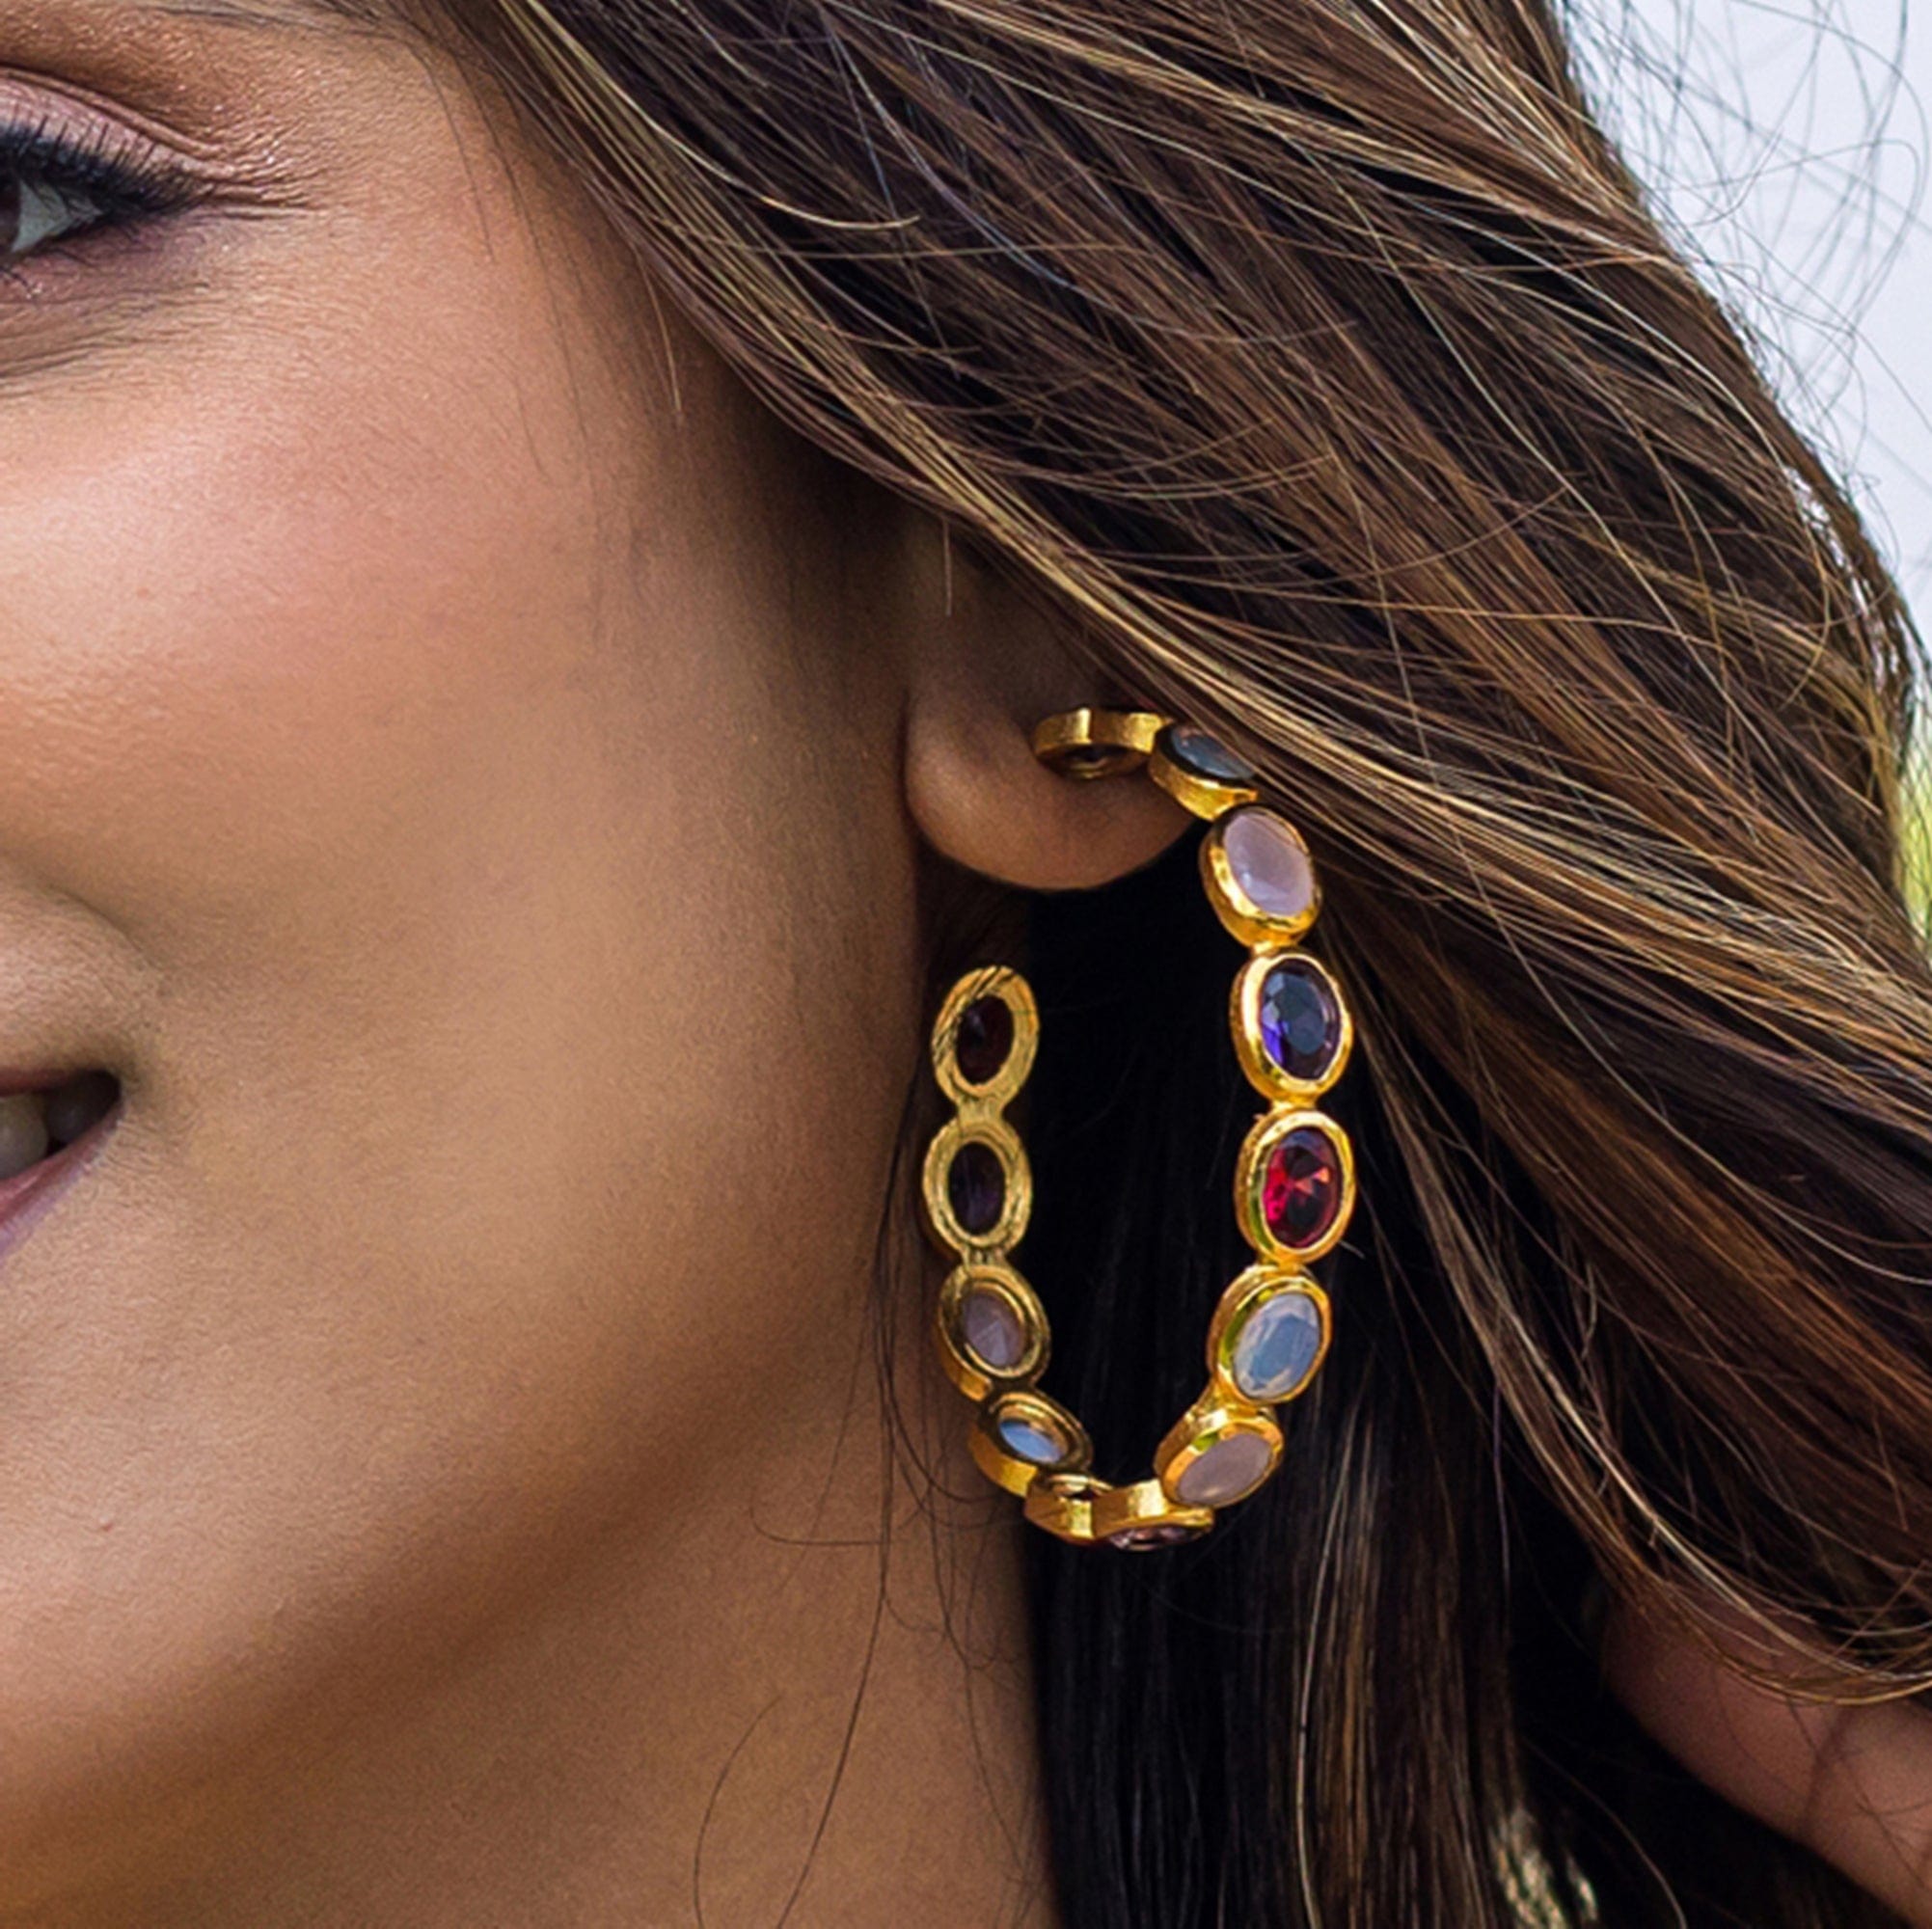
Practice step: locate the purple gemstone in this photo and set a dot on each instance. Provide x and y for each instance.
(984, 1040)
(1141, 1540)
(1204, 756)
(992, 1330)
(1300, 1020)
(976, 1187)
(1269, 863)
(1235, 1465)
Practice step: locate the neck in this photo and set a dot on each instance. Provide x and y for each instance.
(753, 1704)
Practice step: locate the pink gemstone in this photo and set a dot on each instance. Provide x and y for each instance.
(1302, 1186)
(992, 1330)
(1269, 864)
(1233, 1466)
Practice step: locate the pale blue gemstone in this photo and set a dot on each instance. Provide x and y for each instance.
(1276, 1347)
(1029, 1441)
(1195, 750)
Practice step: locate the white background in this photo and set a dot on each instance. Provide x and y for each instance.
(1788, 141)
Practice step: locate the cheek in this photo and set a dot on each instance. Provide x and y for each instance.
(388, 689)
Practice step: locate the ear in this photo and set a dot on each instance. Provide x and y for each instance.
(985, 661)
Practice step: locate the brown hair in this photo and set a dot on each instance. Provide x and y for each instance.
(1323, 361)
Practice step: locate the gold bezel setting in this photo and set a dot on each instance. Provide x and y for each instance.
(1011, 1413)
(1092, 743)
(1251, 1178)
(1206, 791)
(968, 1369)
(1261, 1286)
(1266, 1073)
(1229, 1442)
(992, 981)
(1246, 920)
(1198, 1439)
(1015, 1183)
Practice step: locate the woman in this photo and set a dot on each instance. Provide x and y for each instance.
(537, 537)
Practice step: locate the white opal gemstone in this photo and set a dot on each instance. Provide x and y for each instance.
(1276, 1347)
(1233, 1466)
(1269, 863)
(992, 1330)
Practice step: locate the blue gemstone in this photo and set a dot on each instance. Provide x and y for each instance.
(1029, 1440)
(1300, 1020)
(1204, 756)
(1277, 1346)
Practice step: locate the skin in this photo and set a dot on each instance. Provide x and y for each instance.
(479, 772)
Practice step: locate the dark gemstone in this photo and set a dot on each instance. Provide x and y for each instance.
(1302, 1186)
(1194, 750)
(1300, 1020)
(976, 1187)
(1141, 1540)
(984, 1039)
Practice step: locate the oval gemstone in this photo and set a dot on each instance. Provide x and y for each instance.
(976, 1187)
(1140, 1539)
(1300, 1020)
(984, 1040)
(1276, 1346)
(1269, 864)
(1235, 1465)
(1302, 1186)
(1035, 1441)
(992, 1330)
(1206, 756)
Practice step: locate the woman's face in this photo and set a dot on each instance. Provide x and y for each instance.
(455, 789)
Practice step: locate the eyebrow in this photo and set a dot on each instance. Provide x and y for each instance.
(280, 13)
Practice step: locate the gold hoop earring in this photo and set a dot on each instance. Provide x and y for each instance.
(1295, 1177)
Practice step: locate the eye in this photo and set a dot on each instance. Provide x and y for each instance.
(57, 185)
(36, 211)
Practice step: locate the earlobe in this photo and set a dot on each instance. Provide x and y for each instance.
(985, 664)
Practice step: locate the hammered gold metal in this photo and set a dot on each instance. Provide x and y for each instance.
(989, 980)
(1091, 743)
(982, 1127)
(1063, 1503)
(1144, 1516)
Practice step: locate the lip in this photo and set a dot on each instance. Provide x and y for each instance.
(28, 1196)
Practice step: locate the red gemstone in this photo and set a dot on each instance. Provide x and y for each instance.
(1302, 1186)
(984, 1040)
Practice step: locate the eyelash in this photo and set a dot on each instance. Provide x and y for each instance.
(125, 189)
